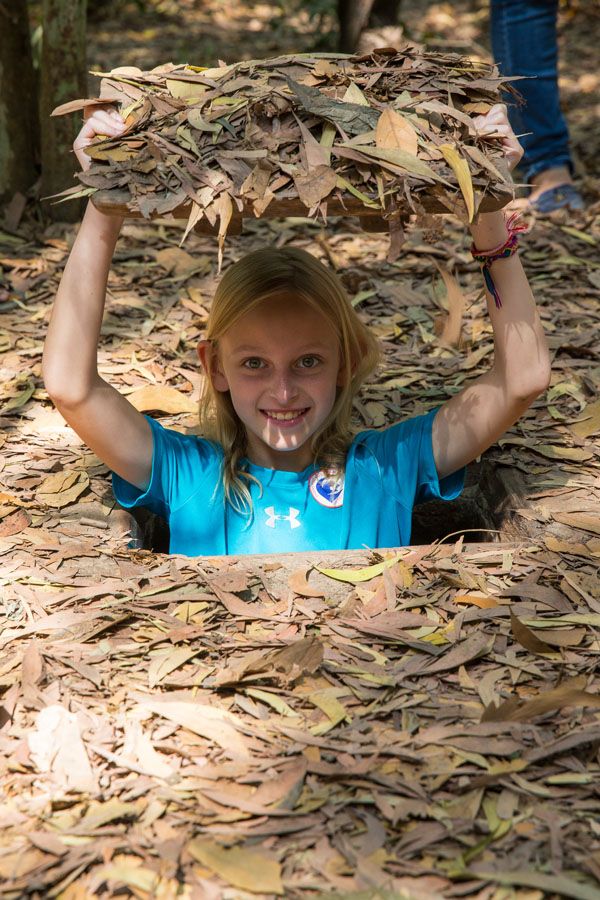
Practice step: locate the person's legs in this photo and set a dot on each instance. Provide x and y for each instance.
(524, 42)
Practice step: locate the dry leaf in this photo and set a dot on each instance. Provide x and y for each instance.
(460, 167)
(56, 746)
(62, 488)
(161, 398)
(299, 584)
(395, 131)
(240, 867)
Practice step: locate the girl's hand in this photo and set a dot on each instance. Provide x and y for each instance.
(496, 122)
(102, 122)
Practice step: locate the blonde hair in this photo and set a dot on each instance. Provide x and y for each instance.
(259, 276)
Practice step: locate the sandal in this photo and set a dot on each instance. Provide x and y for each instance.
(563, 196)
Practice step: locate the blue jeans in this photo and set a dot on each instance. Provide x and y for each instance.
(524, 43)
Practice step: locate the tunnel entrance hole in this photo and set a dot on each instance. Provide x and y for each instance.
(485, 511)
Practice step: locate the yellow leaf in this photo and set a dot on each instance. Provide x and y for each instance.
(405, 574)
(355, 575)
(476, 600)
(210, 722)
(580, 235)
(274, 700)
(161, 398)
(328, 703)
(241, 868)
(116, 154)
(355, 95)
(346, 185)
(460, 167)
(394, 131)
(129, 871)
(189, 611)
(25, 392)
(99, 814)
(186, 90)
(588, 422)
(577, 454)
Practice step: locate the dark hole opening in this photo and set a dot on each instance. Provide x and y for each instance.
(485, 511)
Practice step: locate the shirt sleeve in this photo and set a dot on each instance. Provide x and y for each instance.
(404, 454)
(180, 465)
(429, 484)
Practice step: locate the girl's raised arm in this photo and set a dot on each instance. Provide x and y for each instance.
(116, 432)
(470, 422)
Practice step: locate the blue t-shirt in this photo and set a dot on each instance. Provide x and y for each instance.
(387, 473)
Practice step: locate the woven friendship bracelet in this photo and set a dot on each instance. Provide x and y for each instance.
(486, 257)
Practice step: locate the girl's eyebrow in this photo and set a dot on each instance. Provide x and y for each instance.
(247, 348)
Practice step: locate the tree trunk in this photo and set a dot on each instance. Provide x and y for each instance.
(64, 77)
(356, 15)
(19, 133)
(384, 12)
(353, 16)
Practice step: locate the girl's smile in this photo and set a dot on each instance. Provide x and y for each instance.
(281, 364)
(285, 419)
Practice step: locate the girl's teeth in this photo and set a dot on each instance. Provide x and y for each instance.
(285, 416)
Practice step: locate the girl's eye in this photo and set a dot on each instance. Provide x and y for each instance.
(308, 362)
(253, 363)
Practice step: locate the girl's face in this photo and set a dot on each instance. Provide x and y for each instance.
(281, 363)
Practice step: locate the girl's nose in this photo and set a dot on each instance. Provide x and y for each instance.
(284, 388)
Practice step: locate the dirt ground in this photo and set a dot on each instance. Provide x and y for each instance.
(201, 728)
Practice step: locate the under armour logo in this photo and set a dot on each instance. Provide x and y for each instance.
(273, 517)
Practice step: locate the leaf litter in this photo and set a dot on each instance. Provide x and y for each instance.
(426, 724)
(304, 134)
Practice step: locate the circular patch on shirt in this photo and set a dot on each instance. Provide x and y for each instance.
(327, 488)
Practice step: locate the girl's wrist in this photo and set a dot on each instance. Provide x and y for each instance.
(107, 226)
(489, 230)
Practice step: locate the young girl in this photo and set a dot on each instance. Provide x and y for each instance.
(278, 468)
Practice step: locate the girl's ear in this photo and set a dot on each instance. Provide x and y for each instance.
(209, 360)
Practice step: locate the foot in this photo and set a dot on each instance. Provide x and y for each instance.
(549, 178)
(554, 189)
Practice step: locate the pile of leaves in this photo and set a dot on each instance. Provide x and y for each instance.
(424, 726)
(309, 134)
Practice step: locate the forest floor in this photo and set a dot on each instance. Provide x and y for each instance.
(235, 728)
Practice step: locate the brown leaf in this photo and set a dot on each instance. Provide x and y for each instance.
(315, 186)
(161, 398)
(298, 583)
(589, 421)
(14, 523)
(62, 488)
(527, 638)
(570, 693)
(476, 644)
(455, 298)
(176, 261)
(395, 131)
(585, 521)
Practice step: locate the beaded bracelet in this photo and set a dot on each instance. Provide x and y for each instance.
(486, 257)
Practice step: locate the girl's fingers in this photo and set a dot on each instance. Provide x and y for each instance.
(99, 123)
